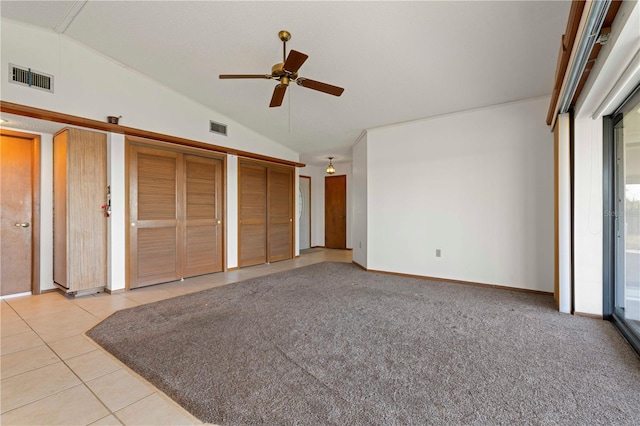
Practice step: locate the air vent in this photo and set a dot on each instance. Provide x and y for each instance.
(28, 77)
(218, 128)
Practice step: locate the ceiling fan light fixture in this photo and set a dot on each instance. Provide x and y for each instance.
(330, 169)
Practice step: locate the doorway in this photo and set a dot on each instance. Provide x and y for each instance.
(304, 211)
(20, 216)
(335, 212)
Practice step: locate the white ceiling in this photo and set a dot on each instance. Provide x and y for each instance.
(398, 61)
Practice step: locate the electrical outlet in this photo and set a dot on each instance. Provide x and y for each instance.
(438, 253)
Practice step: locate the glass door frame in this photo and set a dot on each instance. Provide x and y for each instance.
(612, 270)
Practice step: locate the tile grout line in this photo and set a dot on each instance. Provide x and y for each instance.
(82, 382)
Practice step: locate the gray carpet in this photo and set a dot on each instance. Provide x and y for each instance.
(332, 344)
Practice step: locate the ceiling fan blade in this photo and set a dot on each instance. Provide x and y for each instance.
(319, 86)
(294, 61)
(228, 76)
(278, 95)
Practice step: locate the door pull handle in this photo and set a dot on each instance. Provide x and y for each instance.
(22, 225)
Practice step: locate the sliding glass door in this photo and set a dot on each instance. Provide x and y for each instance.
(626, 219)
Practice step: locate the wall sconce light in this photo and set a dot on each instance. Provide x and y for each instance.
(330, 169)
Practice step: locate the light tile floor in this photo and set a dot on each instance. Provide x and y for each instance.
(51, 373)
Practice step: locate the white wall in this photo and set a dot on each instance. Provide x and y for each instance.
(46, 212)
(116, 224)
(562, 132)
(89, 85)
(477, 185)
(360, 207)
(587, 216)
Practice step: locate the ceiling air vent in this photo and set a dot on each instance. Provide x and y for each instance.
(28, 77)
(218, 128)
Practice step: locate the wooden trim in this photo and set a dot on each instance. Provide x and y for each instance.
(35, 204)
(168, 146)
(263, 163)
(595, 51)
(235, 268)
(586, 315)
(566, 46)
(118, 291)
(42, 114)
(471, 283)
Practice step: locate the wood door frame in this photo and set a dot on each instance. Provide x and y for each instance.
(35, 204)
(268, 165)
(310, 201)
(138, 141)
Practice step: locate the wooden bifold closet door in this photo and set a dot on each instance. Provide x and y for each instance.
(265, 214)
(175, 215)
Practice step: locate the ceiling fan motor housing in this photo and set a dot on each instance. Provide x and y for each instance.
(278, 72)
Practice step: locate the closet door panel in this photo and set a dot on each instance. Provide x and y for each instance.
(203, 217)
(280, 215)
(252, 211)
(154, 200)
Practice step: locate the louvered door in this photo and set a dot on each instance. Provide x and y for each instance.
(252, 212)
(265, 214)
(154, 201)
(203, 215)
(280, 216)
(175, 214)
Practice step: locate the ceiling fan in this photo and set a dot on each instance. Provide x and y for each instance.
(286, 72)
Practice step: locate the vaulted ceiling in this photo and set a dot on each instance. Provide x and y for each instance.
(398, 61)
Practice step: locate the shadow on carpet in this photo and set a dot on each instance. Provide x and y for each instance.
(333, 344)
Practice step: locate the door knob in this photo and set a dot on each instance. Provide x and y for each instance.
(22, 225)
